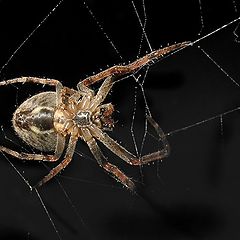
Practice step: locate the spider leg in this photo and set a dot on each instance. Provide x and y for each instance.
(102, 161)
(89, 101)
(44, 81)
(125, 154)
(67, 159)
(39, 157)
(84, 89)
(102, 93)
(134, 66)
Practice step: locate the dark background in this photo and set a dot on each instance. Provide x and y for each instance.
(194, 193)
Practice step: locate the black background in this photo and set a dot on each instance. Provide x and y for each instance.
(194, 193)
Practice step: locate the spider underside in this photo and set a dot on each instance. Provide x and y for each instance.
(46, 120)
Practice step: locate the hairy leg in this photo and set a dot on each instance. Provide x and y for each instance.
(102, 161)
(67, 159)
(38, 157)
(125, 154)
(102, 93)
(121, 70)
(44, 81)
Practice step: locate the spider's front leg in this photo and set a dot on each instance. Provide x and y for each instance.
(121, 70)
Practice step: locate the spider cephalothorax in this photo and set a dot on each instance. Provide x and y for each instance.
(82, 111)
(46, 120)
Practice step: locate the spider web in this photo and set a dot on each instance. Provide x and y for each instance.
(192, 94)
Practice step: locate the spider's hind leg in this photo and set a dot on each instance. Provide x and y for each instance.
(38, 157)
(67, 159)
(28, 156)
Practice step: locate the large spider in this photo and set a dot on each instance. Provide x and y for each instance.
(47, 119)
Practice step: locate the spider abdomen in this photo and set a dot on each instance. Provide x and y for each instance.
(33, 121)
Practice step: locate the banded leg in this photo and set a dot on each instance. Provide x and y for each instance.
(38, 157)
(102, 93)
(134, 66)
(102, 161)
(43, 81)
(125, 154)
(67, 159)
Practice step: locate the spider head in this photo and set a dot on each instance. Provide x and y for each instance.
(103, 117)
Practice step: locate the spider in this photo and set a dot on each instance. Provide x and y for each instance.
(49, 120)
